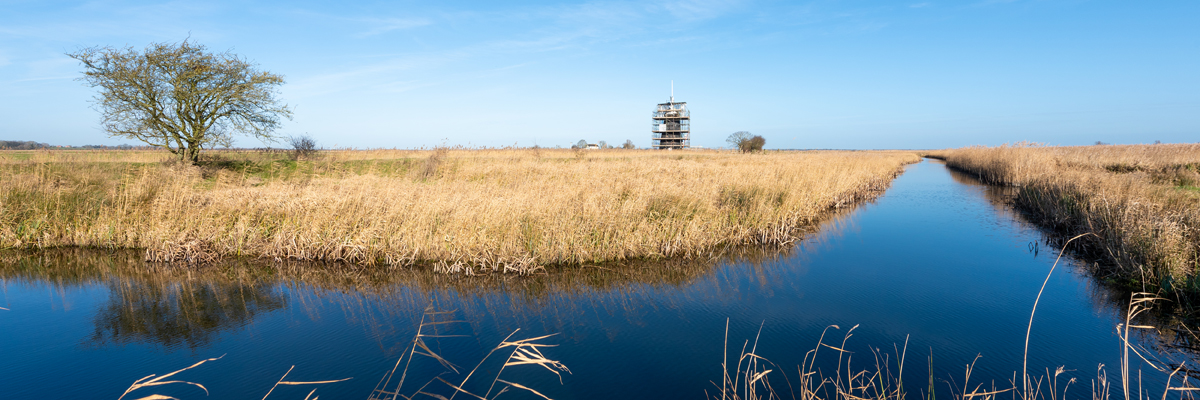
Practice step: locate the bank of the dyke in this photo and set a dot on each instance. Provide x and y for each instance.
(494, 210)
(1141, 202)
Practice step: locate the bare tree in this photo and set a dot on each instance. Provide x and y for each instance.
(303, 146)
(181, 97)
(628, 144)
(737, 139)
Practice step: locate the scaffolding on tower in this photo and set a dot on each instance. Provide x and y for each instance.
(671, 127)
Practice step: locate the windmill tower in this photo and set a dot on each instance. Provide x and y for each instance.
(672, 123)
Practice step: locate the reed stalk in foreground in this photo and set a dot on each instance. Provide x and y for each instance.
(524, 352)
(750, 378)
(154, 380)
(466, 211)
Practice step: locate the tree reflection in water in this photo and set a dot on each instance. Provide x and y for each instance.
(174, 313)
(147, 303)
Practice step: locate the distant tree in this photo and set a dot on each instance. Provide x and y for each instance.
(18, 145)
(756, 143)
(181, 97)
(581, 144)
(746, 142)
(737, 140)
(603, 144)
(628, 145)
(303, 146)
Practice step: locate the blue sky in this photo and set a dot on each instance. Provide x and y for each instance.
(819, 74)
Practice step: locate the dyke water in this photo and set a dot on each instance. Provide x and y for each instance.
(939, 262)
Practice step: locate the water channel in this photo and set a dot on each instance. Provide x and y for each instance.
(938, 262)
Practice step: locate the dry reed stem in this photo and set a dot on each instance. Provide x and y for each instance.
(1033, 311)
(281, 381)
(525, 352)
(148, 382)
(750, 378)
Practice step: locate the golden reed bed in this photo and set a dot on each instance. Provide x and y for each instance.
(1141, 202)
(457, 210)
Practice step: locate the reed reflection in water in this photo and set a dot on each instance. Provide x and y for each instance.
(180, 305)
(1172, 332)
(140, 307)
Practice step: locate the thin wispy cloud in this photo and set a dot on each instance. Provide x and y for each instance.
(364, 26)
(677, 40)
(57, 66)
(551, 29)
(385, 25)
(101, 20)
(46, 78)
(696, 10)
(368, 77)
(172, 10)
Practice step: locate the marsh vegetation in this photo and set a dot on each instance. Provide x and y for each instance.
(468, 211)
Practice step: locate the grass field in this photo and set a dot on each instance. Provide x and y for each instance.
(1141, 202)
(455, 210)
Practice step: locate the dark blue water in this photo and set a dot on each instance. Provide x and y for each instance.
(937, 261)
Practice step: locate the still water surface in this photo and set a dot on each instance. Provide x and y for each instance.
(938, 261)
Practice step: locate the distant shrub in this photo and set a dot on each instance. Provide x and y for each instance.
(755, 143)
(302, 146)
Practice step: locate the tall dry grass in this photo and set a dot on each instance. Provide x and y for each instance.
(83, 156)
(458, 210)
(1142, 202)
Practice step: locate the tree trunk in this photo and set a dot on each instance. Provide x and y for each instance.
(191, 154)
